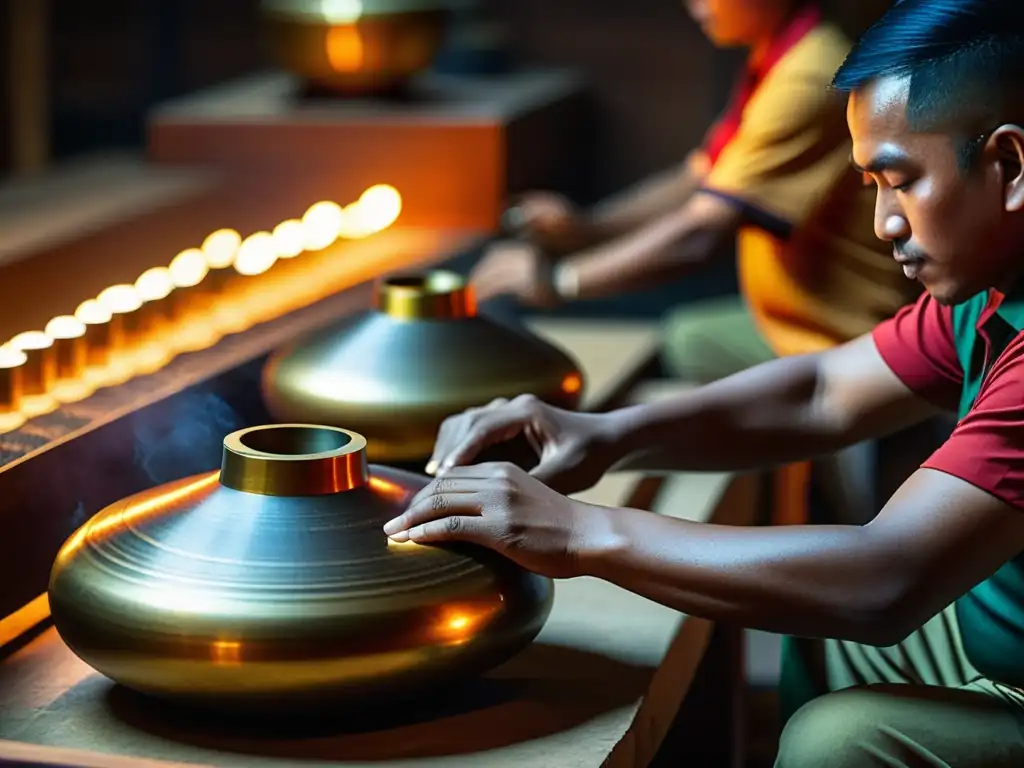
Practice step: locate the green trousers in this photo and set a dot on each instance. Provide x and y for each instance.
(916, 704)
(709, 340)
(919, 703)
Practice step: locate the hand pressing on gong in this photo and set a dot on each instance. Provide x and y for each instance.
(574, 449)
(502, 508)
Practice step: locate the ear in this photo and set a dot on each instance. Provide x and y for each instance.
(1008, 141)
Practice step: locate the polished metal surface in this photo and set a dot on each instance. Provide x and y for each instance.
(395, 373)
(234, 591)
(355, 46)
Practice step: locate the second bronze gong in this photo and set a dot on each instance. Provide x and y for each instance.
(423, 354)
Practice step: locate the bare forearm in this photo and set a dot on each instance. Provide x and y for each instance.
(762, 417)
(665, 248)
(812, 581)
(786, 410)
(666, 192)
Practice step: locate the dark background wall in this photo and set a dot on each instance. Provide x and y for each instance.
(656, 81)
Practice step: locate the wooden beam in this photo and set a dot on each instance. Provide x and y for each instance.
(28, 50)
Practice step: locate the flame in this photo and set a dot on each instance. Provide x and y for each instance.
(188, 268)
(322, 224)
(120, 299)
(221, 248)
(12, 357)
(290, 239)
(155, 284)
(30, 341)
(65, 327)
(92, 312)
(257, 254)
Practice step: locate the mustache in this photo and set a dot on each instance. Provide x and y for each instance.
(907, 250)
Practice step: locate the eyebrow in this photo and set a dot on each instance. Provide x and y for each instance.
(886, 160)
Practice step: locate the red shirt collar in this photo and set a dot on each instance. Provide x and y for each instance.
(803, 21)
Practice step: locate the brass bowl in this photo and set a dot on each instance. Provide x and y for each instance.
(395, 373)
(270, 584)
(355, 46)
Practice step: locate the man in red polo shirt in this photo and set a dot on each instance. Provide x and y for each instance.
(914, 623)
(773, 176)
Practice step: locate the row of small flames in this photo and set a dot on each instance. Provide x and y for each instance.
(75, 354)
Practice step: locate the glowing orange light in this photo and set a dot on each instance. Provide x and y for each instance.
(155, 284)
(379, 207)
(65, 327)
(406, 545)
(458, 622)
(92, 312)
(12, 357)
(322, 224)
(572, 383)
(257, 254)
(29, 341)
(23, 619)
(150, 507)
(73, 391)
(11, 421)
(345, 49)
(189, 268)
(120, 299)
(391, 491)
(221, 247)
(289, 238)
(226, 652)
(352, 227)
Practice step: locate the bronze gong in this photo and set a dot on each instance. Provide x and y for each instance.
(270, 584)
(423, 354)
(355, 46)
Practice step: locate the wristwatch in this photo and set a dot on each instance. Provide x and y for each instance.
(565, 280)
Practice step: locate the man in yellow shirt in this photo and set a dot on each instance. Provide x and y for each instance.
(773, 173)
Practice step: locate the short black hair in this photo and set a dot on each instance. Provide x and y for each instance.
(964, 60)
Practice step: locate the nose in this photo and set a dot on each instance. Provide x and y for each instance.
(890, 222)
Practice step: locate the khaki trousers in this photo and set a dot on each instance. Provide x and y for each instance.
(918, 704)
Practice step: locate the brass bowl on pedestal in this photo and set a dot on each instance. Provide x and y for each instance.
(355, 46)
(270, 585)
(423, 354)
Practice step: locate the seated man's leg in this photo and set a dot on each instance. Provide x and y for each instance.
(709, 340)
(919, 703)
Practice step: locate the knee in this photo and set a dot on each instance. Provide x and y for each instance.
(685, 345)
(838, 730)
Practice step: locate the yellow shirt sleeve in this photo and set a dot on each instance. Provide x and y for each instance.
(793, 144)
